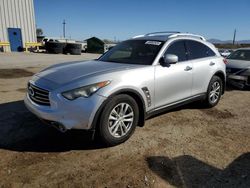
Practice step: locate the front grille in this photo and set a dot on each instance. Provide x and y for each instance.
(38, 95)
(233, 70)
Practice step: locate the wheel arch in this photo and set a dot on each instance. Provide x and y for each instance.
(222, 76)
(132, 93)
(139, 100)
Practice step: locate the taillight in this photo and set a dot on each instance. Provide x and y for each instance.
(225, 61)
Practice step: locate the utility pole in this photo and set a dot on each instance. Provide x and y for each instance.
(234, 36)
(64, 27)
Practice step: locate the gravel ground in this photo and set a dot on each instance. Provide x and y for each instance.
(187, 147)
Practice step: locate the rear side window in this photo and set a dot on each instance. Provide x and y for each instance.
(178, 49)
(198, 50)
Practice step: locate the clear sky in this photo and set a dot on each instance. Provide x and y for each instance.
(122, 19)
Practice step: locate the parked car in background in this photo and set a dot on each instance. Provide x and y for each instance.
(134, 80)
(225, 52)
(238, 68)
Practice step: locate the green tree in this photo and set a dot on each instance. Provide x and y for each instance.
(39, 32)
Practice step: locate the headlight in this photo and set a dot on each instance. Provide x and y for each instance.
(85, 91)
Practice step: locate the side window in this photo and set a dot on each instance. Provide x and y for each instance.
(178, 49)
(210, 52)
(198, 50)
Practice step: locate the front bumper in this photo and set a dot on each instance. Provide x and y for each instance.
(76, 114)
(238, 80)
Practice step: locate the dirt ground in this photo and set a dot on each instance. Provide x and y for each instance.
(187, 147)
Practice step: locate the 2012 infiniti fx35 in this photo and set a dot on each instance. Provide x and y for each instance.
(134, 80)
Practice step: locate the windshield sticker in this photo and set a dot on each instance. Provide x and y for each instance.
(157, 43)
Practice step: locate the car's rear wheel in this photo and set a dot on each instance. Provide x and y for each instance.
(214, 91)
(118, 119)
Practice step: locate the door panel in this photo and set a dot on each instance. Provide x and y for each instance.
(204, 64)
(172, 83)
(15, 38)
(202, 73)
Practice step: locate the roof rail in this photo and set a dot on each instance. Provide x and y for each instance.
(138, 36)
(161, 32)
(156, 33)
(187, 34)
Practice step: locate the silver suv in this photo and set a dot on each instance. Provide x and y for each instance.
(131, 82)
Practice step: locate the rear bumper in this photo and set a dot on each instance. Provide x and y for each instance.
(76, 114)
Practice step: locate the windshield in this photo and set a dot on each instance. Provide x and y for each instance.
(140, 52)
(240, 55)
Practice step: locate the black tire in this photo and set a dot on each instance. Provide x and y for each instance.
(73, 49)
(104, 123)
(55, 47)
(209, 102)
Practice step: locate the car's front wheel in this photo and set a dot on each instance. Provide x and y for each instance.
(214, 91)
(118, 119)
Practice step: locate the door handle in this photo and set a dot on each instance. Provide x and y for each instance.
(211, 63)
(188, 68)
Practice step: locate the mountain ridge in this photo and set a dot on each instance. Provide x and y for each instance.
(217, 41)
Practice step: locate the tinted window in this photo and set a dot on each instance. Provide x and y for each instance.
(198, 50)
(133, 52)
(240, 55)
(178, 48)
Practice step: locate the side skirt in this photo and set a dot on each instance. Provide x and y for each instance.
(173, 105)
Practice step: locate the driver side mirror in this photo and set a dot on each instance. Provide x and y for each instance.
(169, 59)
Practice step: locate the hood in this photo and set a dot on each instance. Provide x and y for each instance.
(68, 72)
(238, 64)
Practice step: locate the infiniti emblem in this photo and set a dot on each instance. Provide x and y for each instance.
(31, 91)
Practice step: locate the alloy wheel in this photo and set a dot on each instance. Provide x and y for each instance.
(121, 119)
(214, 93)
